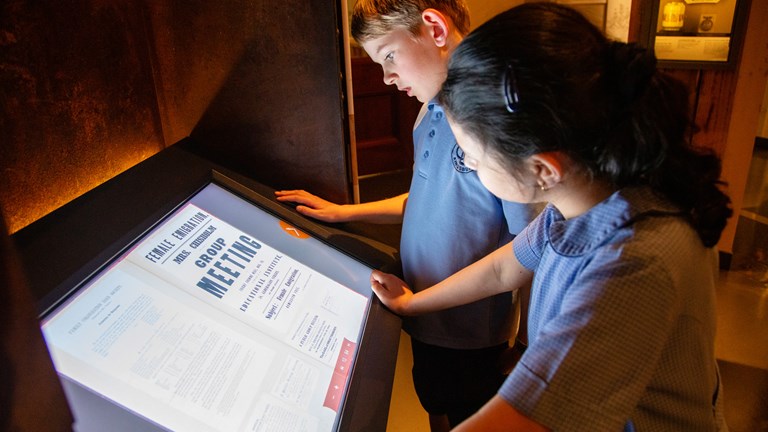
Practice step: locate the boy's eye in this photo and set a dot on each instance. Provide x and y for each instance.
(389, 56)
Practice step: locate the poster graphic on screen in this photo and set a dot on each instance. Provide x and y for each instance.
(202, 326)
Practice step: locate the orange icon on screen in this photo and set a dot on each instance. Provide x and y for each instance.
(293, 231)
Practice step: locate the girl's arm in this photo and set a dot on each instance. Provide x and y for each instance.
(498, 272)
(498, 415)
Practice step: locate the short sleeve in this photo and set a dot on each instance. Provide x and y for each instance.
(624, 302)
(529, 244)
(518, 216)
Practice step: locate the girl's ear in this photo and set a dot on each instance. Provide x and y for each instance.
(437, 24)
(548, 168)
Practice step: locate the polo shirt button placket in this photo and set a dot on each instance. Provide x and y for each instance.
(432, 134)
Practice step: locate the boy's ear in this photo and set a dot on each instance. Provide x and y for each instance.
(548, 168)
(438, 25)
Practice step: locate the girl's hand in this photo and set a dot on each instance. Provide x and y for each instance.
(392, 291)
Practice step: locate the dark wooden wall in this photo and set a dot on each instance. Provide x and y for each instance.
(89, 88)
(711, 91)
(384, 120)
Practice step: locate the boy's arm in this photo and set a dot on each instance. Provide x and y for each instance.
(387, 211)
(497, 272)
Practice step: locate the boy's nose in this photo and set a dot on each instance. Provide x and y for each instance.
(389, 78)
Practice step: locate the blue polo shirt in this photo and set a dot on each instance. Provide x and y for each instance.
(451, 221)
(621, 322)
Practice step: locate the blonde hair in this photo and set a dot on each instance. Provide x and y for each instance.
(376, 18)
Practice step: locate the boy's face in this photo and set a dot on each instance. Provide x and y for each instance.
(416, 65)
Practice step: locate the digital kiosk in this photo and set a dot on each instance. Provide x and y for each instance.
(227, 313)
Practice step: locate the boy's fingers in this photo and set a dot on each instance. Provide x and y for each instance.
(290, 192)
(308, 211)
(294, 195)
(291, 197)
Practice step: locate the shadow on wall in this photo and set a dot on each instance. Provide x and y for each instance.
(84, 103)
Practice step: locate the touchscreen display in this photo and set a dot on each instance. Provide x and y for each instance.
(220, 318)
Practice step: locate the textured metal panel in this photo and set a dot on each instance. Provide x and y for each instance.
(89, 88)
(77, 101)
(277, 116)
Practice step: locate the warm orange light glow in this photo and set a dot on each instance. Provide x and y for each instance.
(41, 196)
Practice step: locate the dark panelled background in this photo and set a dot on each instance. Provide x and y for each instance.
(89, 88)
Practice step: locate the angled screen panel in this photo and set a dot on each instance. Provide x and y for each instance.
(221, 317)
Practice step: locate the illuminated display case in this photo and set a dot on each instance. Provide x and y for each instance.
(695, 34)
(181, 296)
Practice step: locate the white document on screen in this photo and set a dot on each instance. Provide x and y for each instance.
(203, 327)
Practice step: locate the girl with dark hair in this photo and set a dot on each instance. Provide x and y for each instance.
(622, 320)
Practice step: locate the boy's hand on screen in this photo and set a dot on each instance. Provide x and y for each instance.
(312, 205)
(392, 291)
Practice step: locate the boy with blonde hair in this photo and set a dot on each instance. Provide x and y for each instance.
(449, 219)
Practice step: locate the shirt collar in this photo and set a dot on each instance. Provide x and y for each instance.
(584, 233)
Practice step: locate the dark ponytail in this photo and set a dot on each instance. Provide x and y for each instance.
(602, 103)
